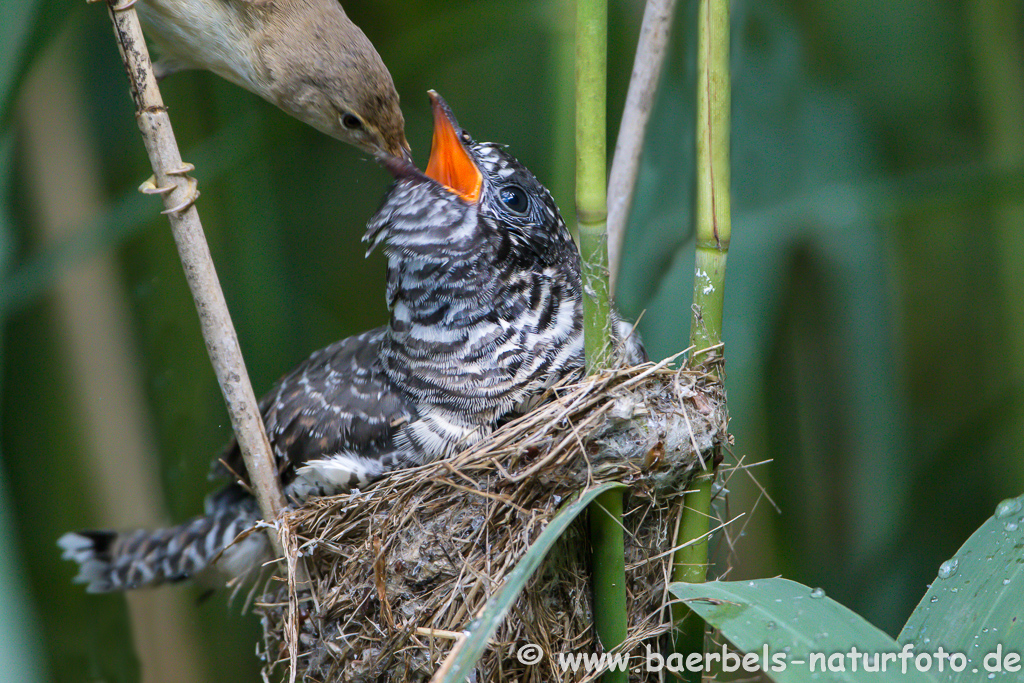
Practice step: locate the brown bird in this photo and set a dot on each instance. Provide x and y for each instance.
(305, 56)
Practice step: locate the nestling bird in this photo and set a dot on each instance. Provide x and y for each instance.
(483, 284)
(305, 56)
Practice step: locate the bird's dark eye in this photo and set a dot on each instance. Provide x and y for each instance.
(351, 122)
(514, 198)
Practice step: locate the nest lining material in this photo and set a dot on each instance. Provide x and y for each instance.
(398, 571)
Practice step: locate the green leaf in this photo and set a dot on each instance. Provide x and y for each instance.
(494, 611)
(798, 628)
(976, 604)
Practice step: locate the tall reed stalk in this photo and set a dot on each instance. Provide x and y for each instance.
(713, 228)
(605, 513)
(179, 191)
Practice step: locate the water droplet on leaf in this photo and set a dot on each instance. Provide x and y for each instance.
(948, 568)
(1007, 508)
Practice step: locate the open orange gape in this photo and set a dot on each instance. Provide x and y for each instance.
(450, 163)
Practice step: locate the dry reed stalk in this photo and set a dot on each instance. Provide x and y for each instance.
(179, 191)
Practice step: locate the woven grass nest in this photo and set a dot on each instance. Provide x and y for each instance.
(398, 571)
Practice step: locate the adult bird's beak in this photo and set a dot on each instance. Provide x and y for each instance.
(406, 151)
(450, 163)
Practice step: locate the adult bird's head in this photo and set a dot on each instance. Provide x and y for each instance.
(323, 70)
(473, 194)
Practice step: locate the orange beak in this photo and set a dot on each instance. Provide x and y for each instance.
(450, 163)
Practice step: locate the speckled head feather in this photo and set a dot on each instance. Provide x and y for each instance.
(513, 209)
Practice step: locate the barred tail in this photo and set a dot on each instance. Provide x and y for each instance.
(114, 561)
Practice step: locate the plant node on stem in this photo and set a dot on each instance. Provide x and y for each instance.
(713, 229)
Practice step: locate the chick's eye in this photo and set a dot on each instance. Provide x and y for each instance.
(351, 122)
(514, 198)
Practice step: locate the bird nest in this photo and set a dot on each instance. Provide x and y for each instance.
(396, 573)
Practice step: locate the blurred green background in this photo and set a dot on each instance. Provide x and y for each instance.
(874, 313)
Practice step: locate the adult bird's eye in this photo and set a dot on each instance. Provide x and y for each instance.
(351, 122)
(514, 198)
